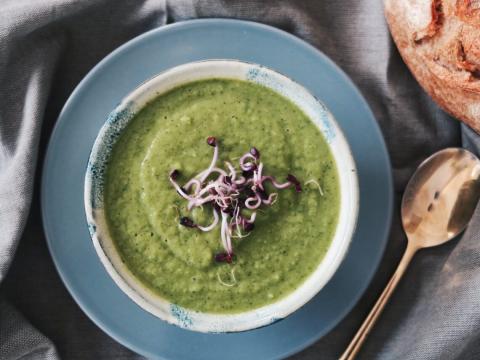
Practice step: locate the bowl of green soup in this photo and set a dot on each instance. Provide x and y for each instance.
(221, 196)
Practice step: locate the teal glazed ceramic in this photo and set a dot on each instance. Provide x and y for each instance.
(75, 132)
(105, 247)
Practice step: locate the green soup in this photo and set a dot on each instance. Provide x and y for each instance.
(177, 263)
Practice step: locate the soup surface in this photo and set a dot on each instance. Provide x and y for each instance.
(143, 209)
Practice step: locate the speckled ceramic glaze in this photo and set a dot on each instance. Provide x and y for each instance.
(94, 182)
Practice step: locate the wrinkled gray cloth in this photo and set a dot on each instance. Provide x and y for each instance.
(46, 47)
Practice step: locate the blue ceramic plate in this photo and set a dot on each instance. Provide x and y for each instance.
(77, 127)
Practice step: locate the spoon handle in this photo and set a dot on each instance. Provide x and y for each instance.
(356, 343)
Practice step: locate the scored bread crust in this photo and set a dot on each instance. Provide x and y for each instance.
(439, 40)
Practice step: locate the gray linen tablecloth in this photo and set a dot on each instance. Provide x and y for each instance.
(46, 47)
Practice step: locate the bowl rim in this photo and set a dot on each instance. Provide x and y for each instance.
(133, 287)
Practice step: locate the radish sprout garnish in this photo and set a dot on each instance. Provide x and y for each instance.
(232, 277)
(187, 222)
(235, 194)
(317, 185)
(212, 225)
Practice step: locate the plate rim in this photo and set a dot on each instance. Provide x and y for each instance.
(209, 21)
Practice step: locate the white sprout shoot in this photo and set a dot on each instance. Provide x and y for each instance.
(312, 181)
(232, 278)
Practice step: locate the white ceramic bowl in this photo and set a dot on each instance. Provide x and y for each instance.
(104, 246)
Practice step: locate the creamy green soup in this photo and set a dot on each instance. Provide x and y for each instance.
(290, 238)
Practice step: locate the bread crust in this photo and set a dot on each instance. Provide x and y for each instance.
(439, 40)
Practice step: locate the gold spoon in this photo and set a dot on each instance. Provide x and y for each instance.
(437, 205)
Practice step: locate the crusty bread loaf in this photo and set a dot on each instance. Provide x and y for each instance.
(439, 40)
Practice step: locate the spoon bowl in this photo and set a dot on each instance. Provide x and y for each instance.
(441, 196)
